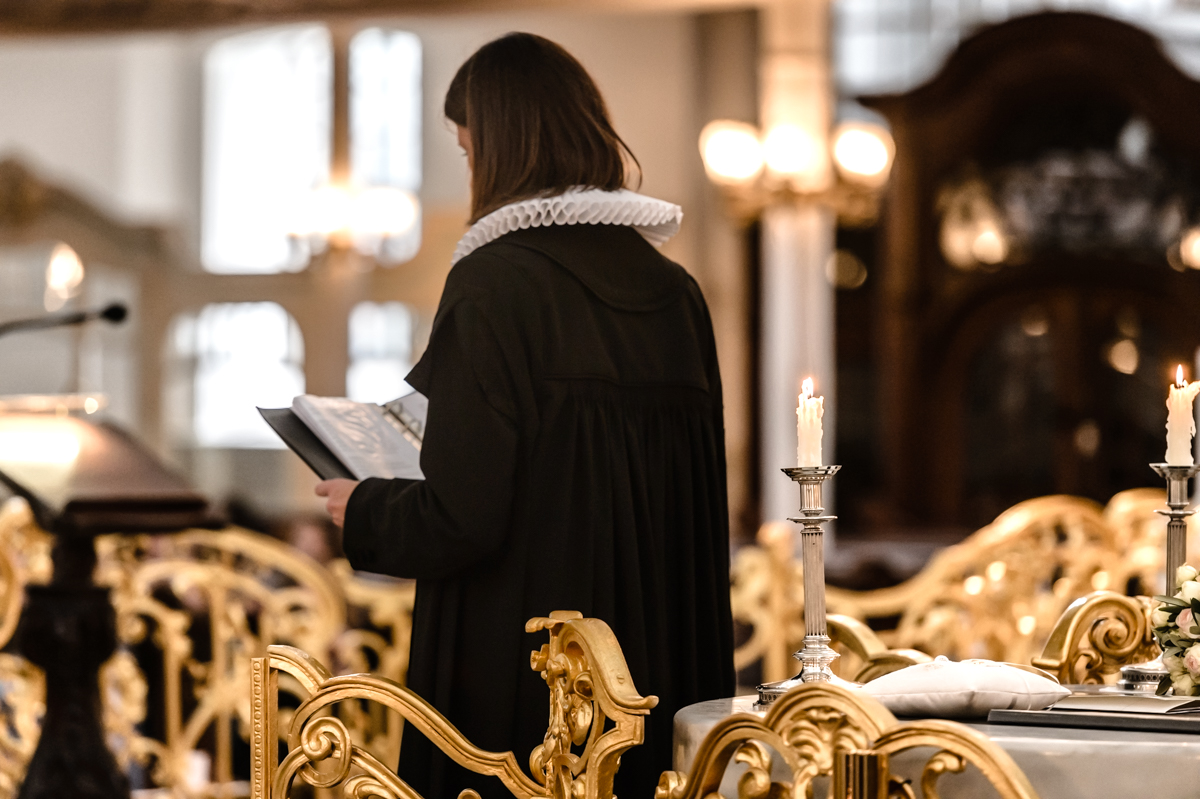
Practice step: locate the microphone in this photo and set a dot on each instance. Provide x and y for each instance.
(113, 313)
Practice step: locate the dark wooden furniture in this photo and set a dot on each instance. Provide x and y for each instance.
(953, 406)
(81, 480)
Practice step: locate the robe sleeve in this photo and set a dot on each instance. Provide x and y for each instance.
(459, 515)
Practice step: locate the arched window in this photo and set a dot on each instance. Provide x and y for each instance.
(244, 354)
(381, 346)
(268, 130)
(267, 112)
(385, 121)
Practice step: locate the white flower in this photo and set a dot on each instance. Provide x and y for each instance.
(1160, 617)
(1191, 659)
(1190, 590)
(1184, 574)
(1172, 663)
(1186, 621)
(1184, 685)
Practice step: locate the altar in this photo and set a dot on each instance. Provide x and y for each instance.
(1058, 761)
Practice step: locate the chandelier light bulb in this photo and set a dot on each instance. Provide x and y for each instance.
(990, 246)
(791, 150)
(384, 211)
(1189, 248)
(731, 151)
(863, 152)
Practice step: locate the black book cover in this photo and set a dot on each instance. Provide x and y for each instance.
(304, 443)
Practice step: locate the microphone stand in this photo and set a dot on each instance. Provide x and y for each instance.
(114, 313)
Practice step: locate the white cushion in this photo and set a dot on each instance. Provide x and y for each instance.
(945, 689)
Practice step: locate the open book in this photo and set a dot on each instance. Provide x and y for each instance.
(338, 437)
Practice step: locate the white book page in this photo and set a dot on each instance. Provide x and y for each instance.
(361, 435)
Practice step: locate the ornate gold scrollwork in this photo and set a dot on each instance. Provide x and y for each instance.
(593, 703)
(813, 726)
(209, 600)
(1096, 636)
(996, 595)
(379, 615)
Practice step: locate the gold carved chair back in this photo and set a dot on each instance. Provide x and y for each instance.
(819, 729)
(595, 715)
(996, 595)
(376, 641)
(200, 604)
(1096, 636)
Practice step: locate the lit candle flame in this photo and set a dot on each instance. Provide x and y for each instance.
(806, 388)
(1179, 381)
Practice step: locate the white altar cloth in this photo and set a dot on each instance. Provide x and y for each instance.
(1061, 763)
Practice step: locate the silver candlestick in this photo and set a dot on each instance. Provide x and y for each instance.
(1146, 676)
(816, 655)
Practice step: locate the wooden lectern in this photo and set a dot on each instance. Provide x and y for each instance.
(81, 479)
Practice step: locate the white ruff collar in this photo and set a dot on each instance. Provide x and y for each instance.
(656, 220)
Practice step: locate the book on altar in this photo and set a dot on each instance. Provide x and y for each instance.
(1125, 703)
(338, 437)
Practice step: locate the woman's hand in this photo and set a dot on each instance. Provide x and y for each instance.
(338, 492)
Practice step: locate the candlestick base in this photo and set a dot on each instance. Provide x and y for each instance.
(816, 655)
(1146, 677)
(1142, 677)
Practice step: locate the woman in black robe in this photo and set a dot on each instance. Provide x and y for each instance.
(574, 453)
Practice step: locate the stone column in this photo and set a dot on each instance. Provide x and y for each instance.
(797, 299)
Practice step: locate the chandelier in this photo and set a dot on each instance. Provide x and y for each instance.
(787, 163)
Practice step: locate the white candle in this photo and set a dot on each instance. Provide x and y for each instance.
(1181, 421)
(808, 426)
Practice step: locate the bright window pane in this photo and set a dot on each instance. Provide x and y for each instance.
(381, 336)
(385, 120)
(247, 354)
(267, 112)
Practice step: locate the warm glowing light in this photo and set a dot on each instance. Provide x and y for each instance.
(344, 216)
(91, 405)
(995, 570)
(973, 585)
(64, 274)
(731, 151)
(791, 150)
(384, 211)
(327, 211)
(806, 388)
(863, 152)
(1100, 581)
(1179, 381)
(1026, 625)
(38, 447)
(989, 246)
(1123, 356)
(1189, 248)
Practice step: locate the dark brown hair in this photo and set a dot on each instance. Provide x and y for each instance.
(537, 121)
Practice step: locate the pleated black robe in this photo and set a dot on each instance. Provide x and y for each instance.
(574, 459)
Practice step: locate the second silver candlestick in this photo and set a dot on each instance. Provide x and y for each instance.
(816, 655)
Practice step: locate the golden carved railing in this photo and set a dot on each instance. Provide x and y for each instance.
(192, 609)
(996, 595)
(201, 603)
(595, 715)
(820, 729)
(24, 560)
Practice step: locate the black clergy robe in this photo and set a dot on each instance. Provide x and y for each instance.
(574, 458)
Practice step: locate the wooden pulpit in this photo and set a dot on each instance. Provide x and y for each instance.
(81, 479)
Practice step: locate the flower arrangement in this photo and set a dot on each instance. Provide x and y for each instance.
(1176, 626)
